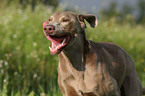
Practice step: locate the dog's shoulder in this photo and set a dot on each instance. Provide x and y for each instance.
(106, 46)
(109, 45)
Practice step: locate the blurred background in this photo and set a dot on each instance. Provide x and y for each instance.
(26, 66)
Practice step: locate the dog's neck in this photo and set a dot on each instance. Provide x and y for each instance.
(75, 53)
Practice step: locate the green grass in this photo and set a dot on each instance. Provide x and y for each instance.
(26, 66)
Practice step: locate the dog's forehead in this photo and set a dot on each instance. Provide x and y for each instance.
(58, 15)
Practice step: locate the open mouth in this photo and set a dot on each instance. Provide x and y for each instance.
(58, 43)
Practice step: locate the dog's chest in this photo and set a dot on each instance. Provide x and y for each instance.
(93, 79)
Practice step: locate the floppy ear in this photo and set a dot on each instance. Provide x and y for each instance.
(91, 19)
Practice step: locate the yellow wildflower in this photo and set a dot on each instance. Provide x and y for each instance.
(142, 60)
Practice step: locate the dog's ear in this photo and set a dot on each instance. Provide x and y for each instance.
(91, 19)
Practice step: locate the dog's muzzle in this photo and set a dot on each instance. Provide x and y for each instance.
(58, 42)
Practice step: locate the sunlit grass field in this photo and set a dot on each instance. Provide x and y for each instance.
(26, 66)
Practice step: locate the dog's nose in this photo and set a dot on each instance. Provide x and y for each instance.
(49, 29)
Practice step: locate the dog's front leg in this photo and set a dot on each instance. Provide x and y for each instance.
(65, 88)
(69, 91)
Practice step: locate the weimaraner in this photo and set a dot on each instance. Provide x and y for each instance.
(87, 68)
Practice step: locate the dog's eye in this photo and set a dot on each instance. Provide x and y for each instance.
(50, 19)
(65, 20)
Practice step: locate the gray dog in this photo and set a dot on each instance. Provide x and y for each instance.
(87, 68)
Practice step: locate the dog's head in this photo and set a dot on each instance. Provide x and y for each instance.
(63, 27)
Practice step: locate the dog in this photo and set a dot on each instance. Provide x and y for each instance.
(87, 68)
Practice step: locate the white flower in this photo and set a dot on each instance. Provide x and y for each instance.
(18, 48)
(16, 73)
(6, 63)
(27, 56)
(35, 56)
(37, 59)
(2, 71)
(34, 44)
(42, 94)
(35, 75)
(6, 54)
(1, 61)
(15, 36)
(5, 80)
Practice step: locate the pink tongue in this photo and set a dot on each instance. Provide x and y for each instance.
(56, 42)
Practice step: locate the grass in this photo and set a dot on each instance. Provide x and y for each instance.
(26, 66)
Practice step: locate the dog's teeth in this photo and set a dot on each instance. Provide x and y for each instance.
(49, 47)
(59, 46)
(63, 41)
